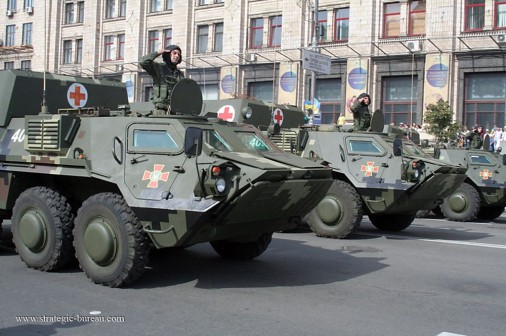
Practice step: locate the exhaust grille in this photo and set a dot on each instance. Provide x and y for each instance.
(43, 134)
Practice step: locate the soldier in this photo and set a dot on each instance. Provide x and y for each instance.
(361, 114)
(475, 137)
(165, 75)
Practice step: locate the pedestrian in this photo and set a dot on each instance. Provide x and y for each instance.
(361, 114)
(341, 120)
(497, 139)
(165, 76)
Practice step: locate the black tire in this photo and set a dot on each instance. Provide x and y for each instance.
(490, 212)
(339, 214)
(463, 205)
(110, 244)
(437, 211)
(392, 222)
(423, 213)
(42, 223)
(242, 250)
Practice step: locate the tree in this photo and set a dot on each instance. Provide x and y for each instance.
(439, 119)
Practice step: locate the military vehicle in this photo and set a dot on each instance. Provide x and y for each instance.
(107, 185)
(377, 173)
(483, 193)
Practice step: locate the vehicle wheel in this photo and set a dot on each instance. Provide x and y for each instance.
(242, 250)
(339, 214)
(42, 222)
(437, 211)
(110, 245)
(490, 212)
(463, 205)
(422, 213)
(392, 222)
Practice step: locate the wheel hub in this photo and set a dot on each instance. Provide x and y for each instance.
(33, 230)
(100, 242)
(457, 202)
(329, 210)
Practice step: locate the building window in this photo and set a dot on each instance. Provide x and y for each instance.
(67, 52)
(79, 51)
(321, 26)
(167, 37)
(475, 15)
(400, 97)
(416, 18)
(392, 20)
(108, 47)
(169, 5)
(218, 37)
(485, 96)
(328, 94)
(121, 47)
(80, 12)
(28, 3)
(153, 41)
(8, 65)
(110, 9)
(26, 65)
(27, 34)
(262, 91)
(202, 38)
(210, 91)
(155, 6)
(69, 13)
(342, 24)
(122, 8)
(256, 33)
(275, 33)
(11, 5)
(500, 14)
(10, 35)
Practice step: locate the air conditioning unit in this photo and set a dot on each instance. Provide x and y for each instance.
(501, 39)
(9, 12)
(29, 10)
(414, 45)
(251, 57)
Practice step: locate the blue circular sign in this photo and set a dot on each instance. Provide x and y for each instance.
(357, 78)
(228, 84)
(437, 75)
(288, 81)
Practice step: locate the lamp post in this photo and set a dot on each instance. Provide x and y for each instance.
(314, 43)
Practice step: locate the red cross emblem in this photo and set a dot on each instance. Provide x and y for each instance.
(226, 113)
(77, 95)
(485, 174)
(277, 115)
(369, 169)
(155, 176)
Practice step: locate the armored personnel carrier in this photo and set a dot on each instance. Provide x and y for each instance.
(483, 193)
(106, 185)
(378, 173)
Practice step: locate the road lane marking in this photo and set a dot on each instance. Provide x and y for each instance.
(454, 242)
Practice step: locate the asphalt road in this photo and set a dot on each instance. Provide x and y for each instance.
(435, 278)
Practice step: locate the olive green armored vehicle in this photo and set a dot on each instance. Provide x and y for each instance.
(378, 173)
(107, 184)
(483, 193)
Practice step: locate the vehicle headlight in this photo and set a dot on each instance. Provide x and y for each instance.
(221, 185)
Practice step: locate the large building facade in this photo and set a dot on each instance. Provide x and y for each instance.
(405, 54)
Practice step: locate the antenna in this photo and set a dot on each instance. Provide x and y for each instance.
(43, 108)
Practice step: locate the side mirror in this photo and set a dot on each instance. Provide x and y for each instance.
(397, 147)
(193, 141)
(302, 139)
(273, 129)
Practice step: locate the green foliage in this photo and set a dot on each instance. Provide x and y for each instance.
(439, 120)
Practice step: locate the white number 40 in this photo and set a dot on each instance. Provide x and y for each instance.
(19, 136)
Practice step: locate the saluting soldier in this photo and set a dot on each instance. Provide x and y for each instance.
(361, 114)
(165, 75)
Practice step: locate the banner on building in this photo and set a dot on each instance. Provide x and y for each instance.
(228, 82)
(437, 76)
(129, 80)
(288, 79)
(357, 71)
